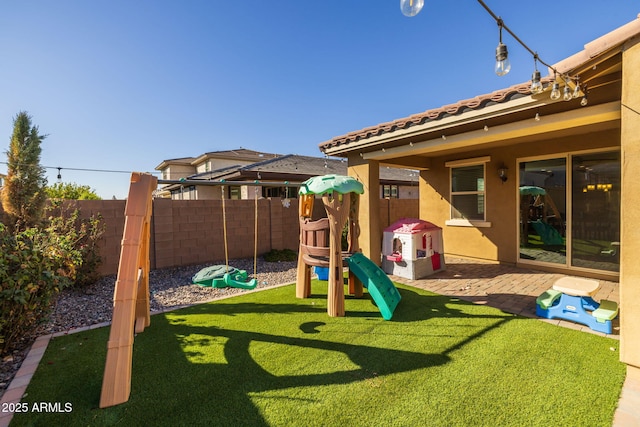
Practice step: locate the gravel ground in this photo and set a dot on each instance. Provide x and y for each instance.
(170, 287)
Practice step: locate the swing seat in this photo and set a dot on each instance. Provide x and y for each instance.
(213, 276)
(240, 280)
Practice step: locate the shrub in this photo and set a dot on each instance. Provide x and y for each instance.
(276, 255)
(34, 266)
(80, 234)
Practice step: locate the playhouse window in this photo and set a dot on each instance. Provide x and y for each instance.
(397, 245)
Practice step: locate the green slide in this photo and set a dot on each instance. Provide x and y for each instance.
(380, 287)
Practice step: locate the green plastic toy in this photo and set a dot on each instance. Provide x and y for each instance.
(219, 276)
(330, 183)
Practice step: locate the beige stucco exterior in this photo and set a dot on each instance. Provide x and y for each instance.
(630, 213)
(495, 241)
(520, 127)
(368, 172)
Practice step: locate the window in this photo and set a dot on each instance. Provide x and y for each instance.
(281, 192)
(235, 192)
(468, 192)
(184, 193)
(390, 191)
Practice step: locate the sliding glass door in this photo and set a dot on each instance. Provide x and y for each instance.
(570, 211)
(595, 218)
(543, 210)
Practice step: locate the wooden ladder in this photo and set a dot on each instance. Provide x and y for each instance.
(131, 310)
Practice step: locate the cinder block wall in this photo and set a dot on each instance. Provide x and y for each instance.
(112, 213)
(189, 232)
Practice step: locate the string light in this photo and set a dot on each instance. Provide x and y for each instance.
(555, 91)
(576, 91)
(584, 100)
(503, 66)
(411, 7)
(60, 168)
(536, 85)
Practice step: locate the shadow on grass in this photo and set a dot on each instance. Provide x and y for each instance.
(187, 371)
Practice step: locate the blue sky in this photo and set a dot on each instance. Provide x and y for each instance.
(122, 85)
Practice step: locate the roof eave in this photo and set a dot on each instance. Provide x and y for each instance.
(439, 125)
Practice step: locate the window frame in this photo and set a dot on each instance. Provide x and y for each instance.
(390, 191)
(461, 222)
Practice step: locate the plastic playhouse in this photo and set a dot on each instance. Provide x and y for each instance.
(412, 248)
(321, 246)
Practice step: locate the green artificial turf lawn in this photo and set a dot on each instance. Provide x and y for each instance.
(269, 359)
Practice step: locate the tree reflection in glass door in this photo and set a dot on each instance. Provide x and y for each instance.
(543, 203)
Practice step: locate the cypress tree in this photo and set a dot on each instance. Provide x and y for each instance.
(23, 195)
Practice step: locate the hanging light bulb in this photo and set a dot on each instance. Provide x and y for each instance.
(555, 91)
(59, 174)
(502, 56)
(503, 66)
(568, 96)
(576, 91)
(536, 85)
(584, 101)
(411, 7)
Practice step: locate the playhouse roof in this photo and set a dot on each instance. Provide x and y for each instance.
(410, 226)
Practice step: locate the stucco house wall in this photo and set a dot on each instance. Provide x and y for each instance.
(495, 243)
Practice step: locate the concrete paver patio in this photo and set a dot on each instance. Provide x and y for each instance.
(508, 288)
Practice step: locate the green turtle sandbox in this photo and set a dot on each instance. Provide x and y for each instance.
(221, 276)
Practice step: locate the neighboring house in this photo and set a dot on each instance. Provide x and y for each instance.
(520, 178)
(187, 166)
(184, 167)
(291, 168)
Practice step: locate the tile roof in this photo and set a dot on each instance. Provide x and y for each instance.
(239, 153)
(475, 103)
(297, 168)
(242, 154)
(599, 46)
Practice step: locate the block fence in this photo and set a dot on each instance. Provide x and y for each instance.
(190, 232)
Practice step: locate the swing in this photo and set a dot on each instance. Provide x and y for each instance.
(239, 278)
(219, 276)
